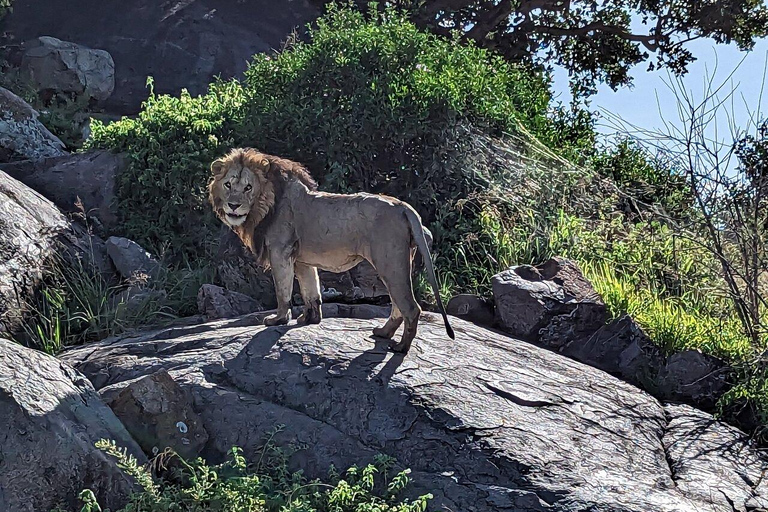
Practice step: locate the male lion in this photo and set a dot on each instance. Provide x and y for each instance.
(274, 207)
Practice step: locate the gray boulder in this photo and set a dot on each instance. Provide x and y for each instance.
(22, 136)
(215, 302)
(33, 235)
(551, 303)
(63, 67)
(693, 377)
(132, 262)
(485, 422)
(86, 179)
(51, 418)
(159, 414)
(471, 308)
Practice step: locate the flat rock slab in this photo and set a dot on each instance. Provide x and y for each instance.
(485, 422)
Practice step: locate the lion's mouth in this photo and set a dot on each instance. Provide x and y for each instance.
(236, 216)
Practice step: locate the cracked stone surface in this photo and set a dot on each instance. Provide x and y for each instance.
(22, 136)
(51, 418)
(485, 422)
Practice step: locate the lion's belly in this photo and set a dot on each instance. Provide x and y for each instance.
(332, 261)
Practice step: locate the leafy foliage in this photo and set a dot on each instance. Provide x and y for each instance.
(236, 486)
(595, 42)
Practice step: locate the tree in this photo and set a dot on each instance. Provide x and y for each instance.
(595, 41)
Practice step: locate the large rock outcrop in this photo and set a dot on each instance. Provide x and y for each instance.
(22, 136)
(180, 44)
(51, 418)
(486, 422)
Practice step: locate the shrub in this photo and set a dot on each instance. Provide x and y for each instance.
(236, 486)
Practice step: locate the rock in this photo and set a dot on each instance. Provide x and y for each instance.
(471, 308)
(181, 45)
(159, 414)
(32, 233)
(136, 301)
(623, 349)
(485, 422)
(84, 178)
(238, 271)
(551, 304)
(216, 302)
(22, 136)
(131, 260)
(51, 418)
(368, 286)
(67, 68)
(693, 377)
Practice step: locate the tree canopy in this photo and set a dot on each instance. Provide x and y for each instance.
(597, 42)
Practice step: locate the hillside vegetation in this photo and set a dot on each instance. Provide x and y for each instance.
(499, 174)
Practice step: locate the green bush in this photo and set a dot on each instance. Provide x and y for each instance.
(236, 486)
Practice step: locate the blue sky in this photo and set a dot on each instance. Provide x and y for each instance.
(639, 105)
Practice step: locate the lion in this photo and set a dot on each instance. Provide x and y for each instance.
(273, 205)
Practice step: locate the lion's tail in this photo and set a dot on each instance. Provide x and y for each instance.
(421, 243)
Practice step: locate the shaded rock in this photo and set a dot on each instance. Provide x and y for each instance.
(471, 308)
(32, 233)
(693, 377)
(158, 413)
(621, 348)
(216, 302)
(238, 271)
(181, 45)
(131, 260)
(551, 303)
(51, 418)
(136, 301)
(22, 136)
(87, 178)
(368, 286)
(485, 422)
(63, 67)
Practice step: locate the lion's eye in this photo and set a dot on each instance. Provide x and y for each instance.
(227, 185)
(248, 188)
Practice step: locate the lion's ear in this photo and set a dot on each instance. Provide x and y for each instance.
(217, 166)
(264, 164)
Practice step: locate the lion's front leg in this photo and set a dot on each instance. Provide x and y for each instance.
(309, 284)
(282, 274)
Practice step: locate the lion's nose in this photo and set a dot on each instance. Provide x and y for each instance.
(233, 206)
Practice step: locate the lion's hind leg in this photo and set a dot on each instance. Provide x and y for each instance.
(390, 327)
(309, 284)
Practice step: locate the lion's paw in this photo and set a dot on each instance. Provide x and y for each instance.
(276, 319)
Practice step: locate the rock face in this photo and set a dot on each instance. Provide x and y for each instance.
(87, 177)
(471, 308)
(51, 418)
(485, 422)
(32, 231)
(551, 303)
(180, 44)
(215, 302)
(22, 136)
(68, 68)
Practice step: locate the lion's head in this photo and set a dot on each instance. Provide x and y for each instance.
(246, 185)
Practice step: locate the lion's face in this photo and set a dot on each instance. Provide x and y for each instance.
(234, 190)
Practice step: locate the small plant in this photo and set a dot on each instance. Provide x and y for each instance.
(269, 486)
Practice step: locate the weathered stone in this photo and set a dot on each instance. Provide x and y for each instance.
(51, 418)
(86, 179)
(530, 299)
(238, 271)
(621, 348)
(693, 377)
(368, 286)
(159, 414)
(131, 260)
(216, 302)
(32, 232)
(485, 422)
(63, 67)
(22, 136)
(471, 308)
(181, 45)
